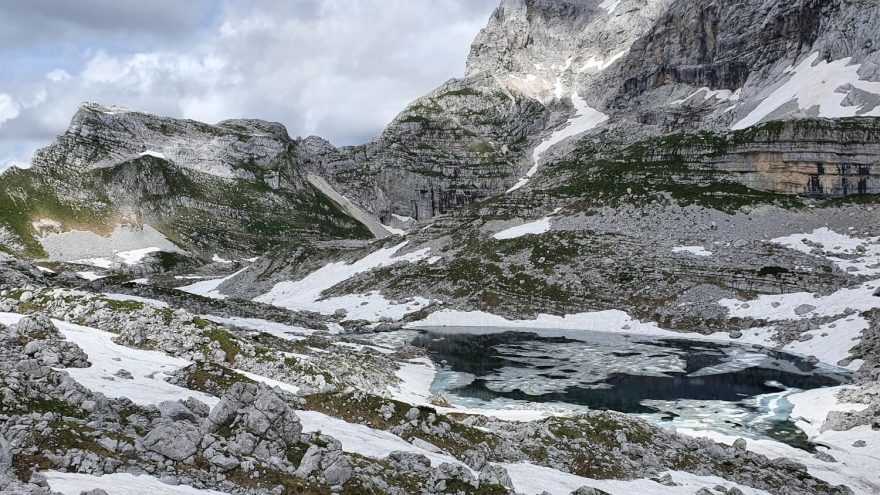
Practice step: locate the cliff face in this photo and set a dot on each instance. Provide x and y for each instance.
(461, 143)
(102, 137)
(652, 67)
(822, 158)
(551, 48)
(742, 54)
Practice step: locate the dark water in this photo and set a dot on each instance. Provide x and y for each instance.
(628, 374)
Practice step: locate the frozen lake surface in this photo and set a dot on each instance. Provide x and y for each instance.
(735, 389)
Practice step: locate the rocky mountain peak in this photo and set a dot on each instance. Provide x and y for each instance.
(548, 49)
(102, 136)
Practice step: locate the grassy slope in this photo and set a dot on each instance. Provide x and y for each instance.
(197, 211)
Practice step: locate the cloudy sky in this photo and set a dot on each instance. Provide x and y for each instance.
(340, 69)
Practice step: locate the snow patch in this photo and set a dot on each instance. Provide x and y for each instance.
(306, 294)
(818, 86)
(853, 255)
(209, 288)
(600, 64)
(403, 218)
(217, 259)
(835, 473)
(776, 307)
(534, 228)
(154, 154)
(363, 440)
(126, 297)
(148, 369)
(530, 479)
(831, 343)
(694, 250)
(135, 256)
(708, 93)
(117, 484)
(287, 387)
(280, 330)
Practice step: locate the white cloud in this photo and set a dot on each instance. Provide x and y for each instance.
(8, 108)
(59, 76)
(337, 68)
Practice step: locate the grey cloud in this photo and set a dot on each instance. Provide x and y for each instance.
(45, 20)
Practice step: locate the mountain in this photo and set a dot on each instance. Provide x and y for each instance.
(233, 188)
(656, 125)
(540, 73)
(635, 248)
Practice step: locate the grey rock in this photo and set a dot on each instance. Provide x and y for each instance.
(413, 414)
(496, 475)
(5, 455)
(124, 374)
(804, 309)
(336, 469)
(666, 480)
(176, 411)
(409, 462)
(586, 490)
(177, 441)
(311, 461)
(225, 463)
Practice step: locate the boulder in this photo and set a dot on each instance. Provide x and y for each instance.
(177, 441)
(5, 455)
(588, 490)
(804, 309)
(409, 462)
(175, 411)
(496, 475)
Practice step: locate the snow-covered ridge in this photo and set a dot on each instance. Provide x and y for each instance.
(820, 85)
(585, 119)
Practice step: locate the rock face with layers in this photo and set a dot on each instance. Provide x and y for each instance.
(652, 66)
